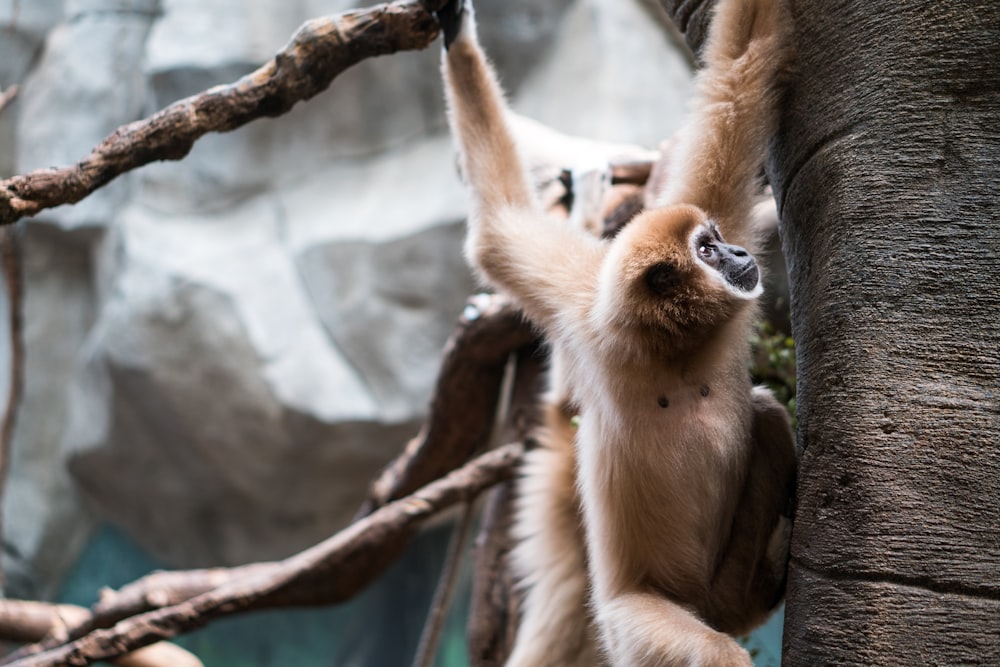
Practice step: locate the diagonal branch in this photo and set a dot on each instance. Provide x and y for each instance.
(319, 51)
(471, 373)
(7, 96)
(28, 620)
(350, 553)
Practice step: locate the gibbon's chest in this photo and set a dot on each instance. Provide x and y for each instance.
(661, 454)
(670, 430)
(660, 487)
(664, 409)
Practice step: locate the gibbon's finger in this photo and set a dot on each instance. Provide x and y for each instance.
(450, 18)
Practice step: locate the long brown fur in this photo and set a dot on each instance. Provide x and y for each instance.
(653, 529)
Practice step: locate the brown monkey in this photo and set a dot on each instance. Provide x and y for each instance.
(654, 529)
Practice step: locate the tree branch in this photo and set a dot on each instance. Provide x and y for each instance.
(427, 647)
(356, 554)
(7, 96)
(319, 51)
(471, 373)
(11, 270)
(493, 607)
(22, 620)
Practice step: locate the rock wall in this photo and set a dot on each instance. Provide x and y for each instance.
(222, 351)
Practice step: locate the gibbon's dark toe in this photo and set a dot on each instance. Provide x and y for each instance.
(450, 19)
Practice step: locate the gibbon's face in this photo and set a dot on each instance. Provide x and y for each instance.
(670, 269)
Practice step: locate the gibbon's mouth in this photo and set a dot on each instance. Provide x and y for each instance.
(747, 279)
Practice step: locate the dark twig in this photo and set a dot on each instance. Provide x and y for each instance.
(319, 51)
(493, 614)
(431, 635)
(10, 266)
(7, 96)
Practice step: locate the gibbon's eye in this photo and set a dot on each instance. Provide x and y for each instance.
(662, 277)
(708, 251)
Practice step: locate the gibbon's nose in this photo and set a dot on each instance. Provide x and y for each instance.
(738, 266)
(734, 250)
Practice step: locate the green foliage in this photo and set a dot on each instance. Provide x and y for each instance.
(773, 363)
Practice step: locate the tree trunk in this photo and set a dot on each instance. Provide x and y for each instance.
(887, 173)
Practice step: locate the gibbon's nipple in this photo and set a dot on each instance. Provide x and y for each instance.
(704, 390)
(662, 401)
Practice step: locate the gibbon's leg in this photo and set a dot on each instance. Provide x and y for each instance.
(549, 559)
(750, 581)
(546, 265)
(717, 164)
(642, 627)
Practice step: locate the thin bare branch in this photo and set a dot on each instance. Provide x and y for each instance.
(7, 96)
(28, 620)
(319, 51)
(22, 621)
(10, 267)
(431, 634)
(343, 563)
(493, 613)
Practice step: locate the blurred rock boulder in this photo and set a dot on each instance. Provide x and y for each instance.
(222, 351)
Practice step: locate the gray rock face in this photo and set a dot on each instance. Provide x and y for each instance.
(88, 82)
(25, 26)
(43, 521)
(222, 351)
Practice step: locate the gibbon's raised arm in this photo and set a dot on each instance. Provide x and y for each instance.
(510, 239)
(717, 164)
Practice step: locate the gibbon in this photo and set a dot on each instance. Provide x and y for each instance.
(652, 519)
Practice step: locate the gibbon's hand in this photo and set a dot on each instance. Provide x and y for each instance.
(450, 19)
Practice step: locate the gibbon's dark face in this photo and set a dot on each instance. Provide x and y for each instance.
(670, 269)
(735, 265)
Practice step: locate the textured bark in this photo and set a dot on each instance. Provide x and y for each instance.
(319, 51)
(29, 621)
(493, 611)
(692, 18)
(887, 176)
(885, 169)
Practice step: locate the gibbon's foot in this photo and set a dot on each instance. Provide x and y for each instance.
(450, 19)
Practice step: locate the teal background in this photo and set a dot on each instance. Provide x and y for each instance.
(379, 628)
